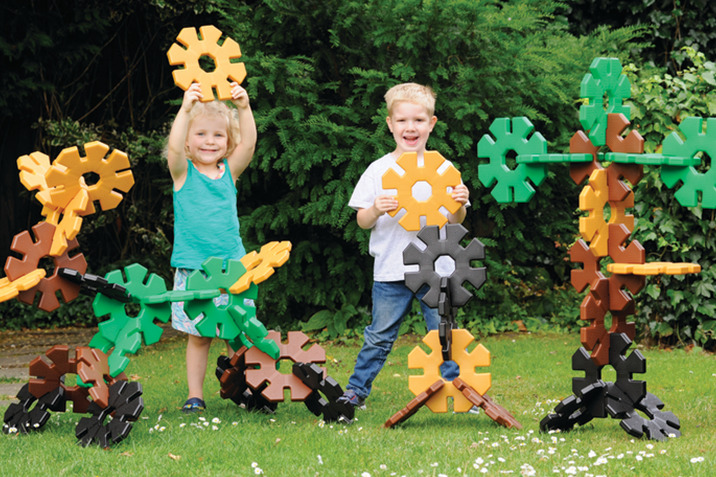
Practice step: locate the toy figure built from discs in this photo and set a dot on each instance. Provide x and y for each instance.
(610, 288)
(102, 388)
(446, 293)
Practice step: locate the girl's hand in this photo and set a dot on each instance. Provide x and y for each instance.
(239, 96)
(191, 96)
(461, 194)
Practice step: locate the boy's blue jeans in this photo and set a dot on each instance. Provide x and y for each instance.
(391, 302)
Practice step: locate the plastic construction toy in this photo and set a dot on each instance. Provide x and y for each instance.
(102, 389)
(447, 293)
(190, 50)
(252, 379)
(605, 234)
(429, 173)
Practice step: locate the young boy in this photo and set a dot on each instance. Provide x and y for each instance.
(411, 119)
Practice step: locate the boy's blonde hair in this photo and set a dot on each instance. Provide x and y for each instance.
(411, 93)
(221, 109)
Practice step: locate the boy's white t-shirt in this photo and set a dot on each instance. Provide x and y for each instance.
(388, 238)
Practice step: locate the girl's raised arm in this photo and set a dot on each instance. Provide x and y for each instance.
(241, 156)
(176, 152)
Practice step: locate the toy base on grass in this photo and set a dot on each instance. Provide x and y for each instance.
(625, 399)
(262, 388)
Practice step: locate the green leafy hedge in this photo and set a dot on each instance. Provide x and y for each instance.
(317, 72)
(675, 309)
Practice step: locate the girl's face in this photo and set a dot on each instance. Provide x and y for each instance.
(411, 126)
(207, 139)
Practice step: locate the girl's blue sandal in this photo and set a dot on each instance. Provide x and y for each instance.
(193, 405)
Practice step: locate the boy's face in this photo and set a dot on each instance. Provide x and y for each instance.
(411, 127)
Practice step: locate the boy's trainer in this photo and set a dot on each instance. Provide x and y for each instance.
(350, 397)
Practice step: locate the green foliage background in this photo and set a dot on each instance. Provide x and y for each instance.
(317, 72)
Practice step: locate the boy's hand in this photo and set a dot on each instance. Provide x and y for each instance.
(239, 96)
(191, 96)
(385, 203)
(461, 194)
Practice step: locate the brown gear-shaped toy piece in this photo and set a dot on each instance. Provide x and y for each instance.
(590, 273)
(415, 404)
(632, 142)
(93, 368)
(194, 48)
(467, 361)
(632, 253)
(593, 309)
(260, 265)
(439, 183)
(89, 364)
(65, 176)
(267, 372)
(48, 376)
(493, 410)
(33, 252)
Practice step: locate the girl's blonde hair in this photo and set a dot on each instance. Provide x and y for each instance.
(411, 93)
(221, 109)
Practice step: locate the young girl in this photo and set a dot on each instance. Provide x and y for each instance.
(209, 146)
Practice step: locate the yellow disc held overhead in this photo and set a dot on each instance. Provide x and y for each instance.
(189, 55)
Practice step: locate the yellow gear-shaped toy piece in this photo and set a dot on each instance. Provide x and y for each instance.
(11, 288)
(33, 168)
(593, 228)
(594, 197)
(653, 268)
(65, 176)
(225, 70)
(467, 361)
(259, 266)
(439, 183)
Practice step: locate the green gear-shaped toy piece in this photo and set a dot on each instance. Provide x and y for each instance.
(511, 135)
(693, 180)
(236, 320)
(122, 331)
(604, 79)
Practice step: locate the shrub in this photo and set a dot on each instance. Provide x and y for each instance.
(674, 309)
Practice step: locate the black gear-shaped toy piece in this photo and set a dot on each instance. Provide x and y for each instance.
(659, 426)
(582, 361)
(573, 410)
(125, 406)
(626, 366)
(326, 391)
(22, 417)
(450, 247)
(231, 373)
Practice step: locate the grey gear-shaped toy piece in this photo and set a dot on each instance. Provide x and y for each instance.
(449, 247)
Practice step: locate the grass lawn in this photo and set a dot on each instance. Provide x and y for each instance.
(530, 374)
